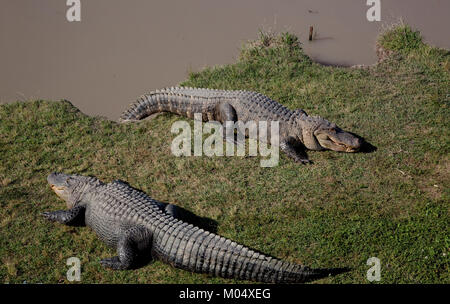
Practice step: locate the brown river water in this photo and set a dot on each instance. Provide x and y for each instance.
(123, 48)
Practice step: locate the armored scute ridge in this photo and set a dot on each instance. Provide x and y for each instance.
(141, 228)
(297, 129)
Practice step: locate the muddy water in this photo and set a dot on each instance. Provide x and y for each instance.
(121, 49)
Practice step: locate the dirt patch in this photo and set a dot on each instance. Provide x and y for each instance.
(382, 53)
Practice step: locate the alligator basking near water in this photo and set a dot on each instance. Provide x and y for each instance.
(297, 129)
(141, 228)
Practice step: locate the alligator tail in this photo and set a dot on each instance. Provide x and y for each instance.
(173, 100)
(271, 270)
(204, 252)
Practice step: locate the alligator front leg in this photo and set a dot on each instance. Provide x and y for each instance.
(294, 151)
(71, 217)
(133, 247)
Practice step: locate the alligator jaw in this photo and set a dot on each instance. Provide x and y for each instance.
(57, 189)
(340, 141)
(341, 147)
(61, 192)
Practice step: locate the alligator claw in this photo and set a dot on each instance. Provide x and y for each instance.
(47, 215)
(304, 161)
(113, 263)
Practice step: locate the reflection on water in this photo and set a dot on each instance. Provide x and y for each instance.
(121, 49)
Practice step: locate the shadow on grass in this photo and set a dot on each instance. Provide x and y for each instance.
(366, 146)
(191, 218)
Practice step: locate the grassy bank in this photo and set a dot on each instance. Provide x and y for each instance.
(392, 203)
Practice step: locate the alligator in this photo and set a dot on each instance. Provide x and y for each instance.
(140, 228)
(297, 130)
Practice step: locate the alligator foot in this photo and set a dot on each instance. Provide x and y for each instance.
(295, 151)
(71, 217)
(114, 263)
(304, 161)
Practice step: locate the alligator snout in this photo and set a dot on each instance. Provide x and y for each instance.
(356, 145)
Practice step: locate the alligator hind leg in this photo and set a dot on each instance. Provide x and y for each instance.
(175, 211)
(187, 216)
(133, 247)
(225, 112)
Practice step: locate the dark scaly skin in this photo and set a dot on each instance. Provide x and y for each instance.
(138, 227)
(297, 130)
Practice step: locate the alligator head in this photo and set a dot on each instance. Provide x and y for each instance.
(320, 134)
(71, 187)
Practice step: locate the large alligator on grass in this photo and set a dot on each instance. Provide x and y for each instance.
(297, 129)
(142, 228)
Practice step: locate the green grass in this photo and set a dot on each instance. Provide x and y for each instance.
(401, 37)
(345, 208)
